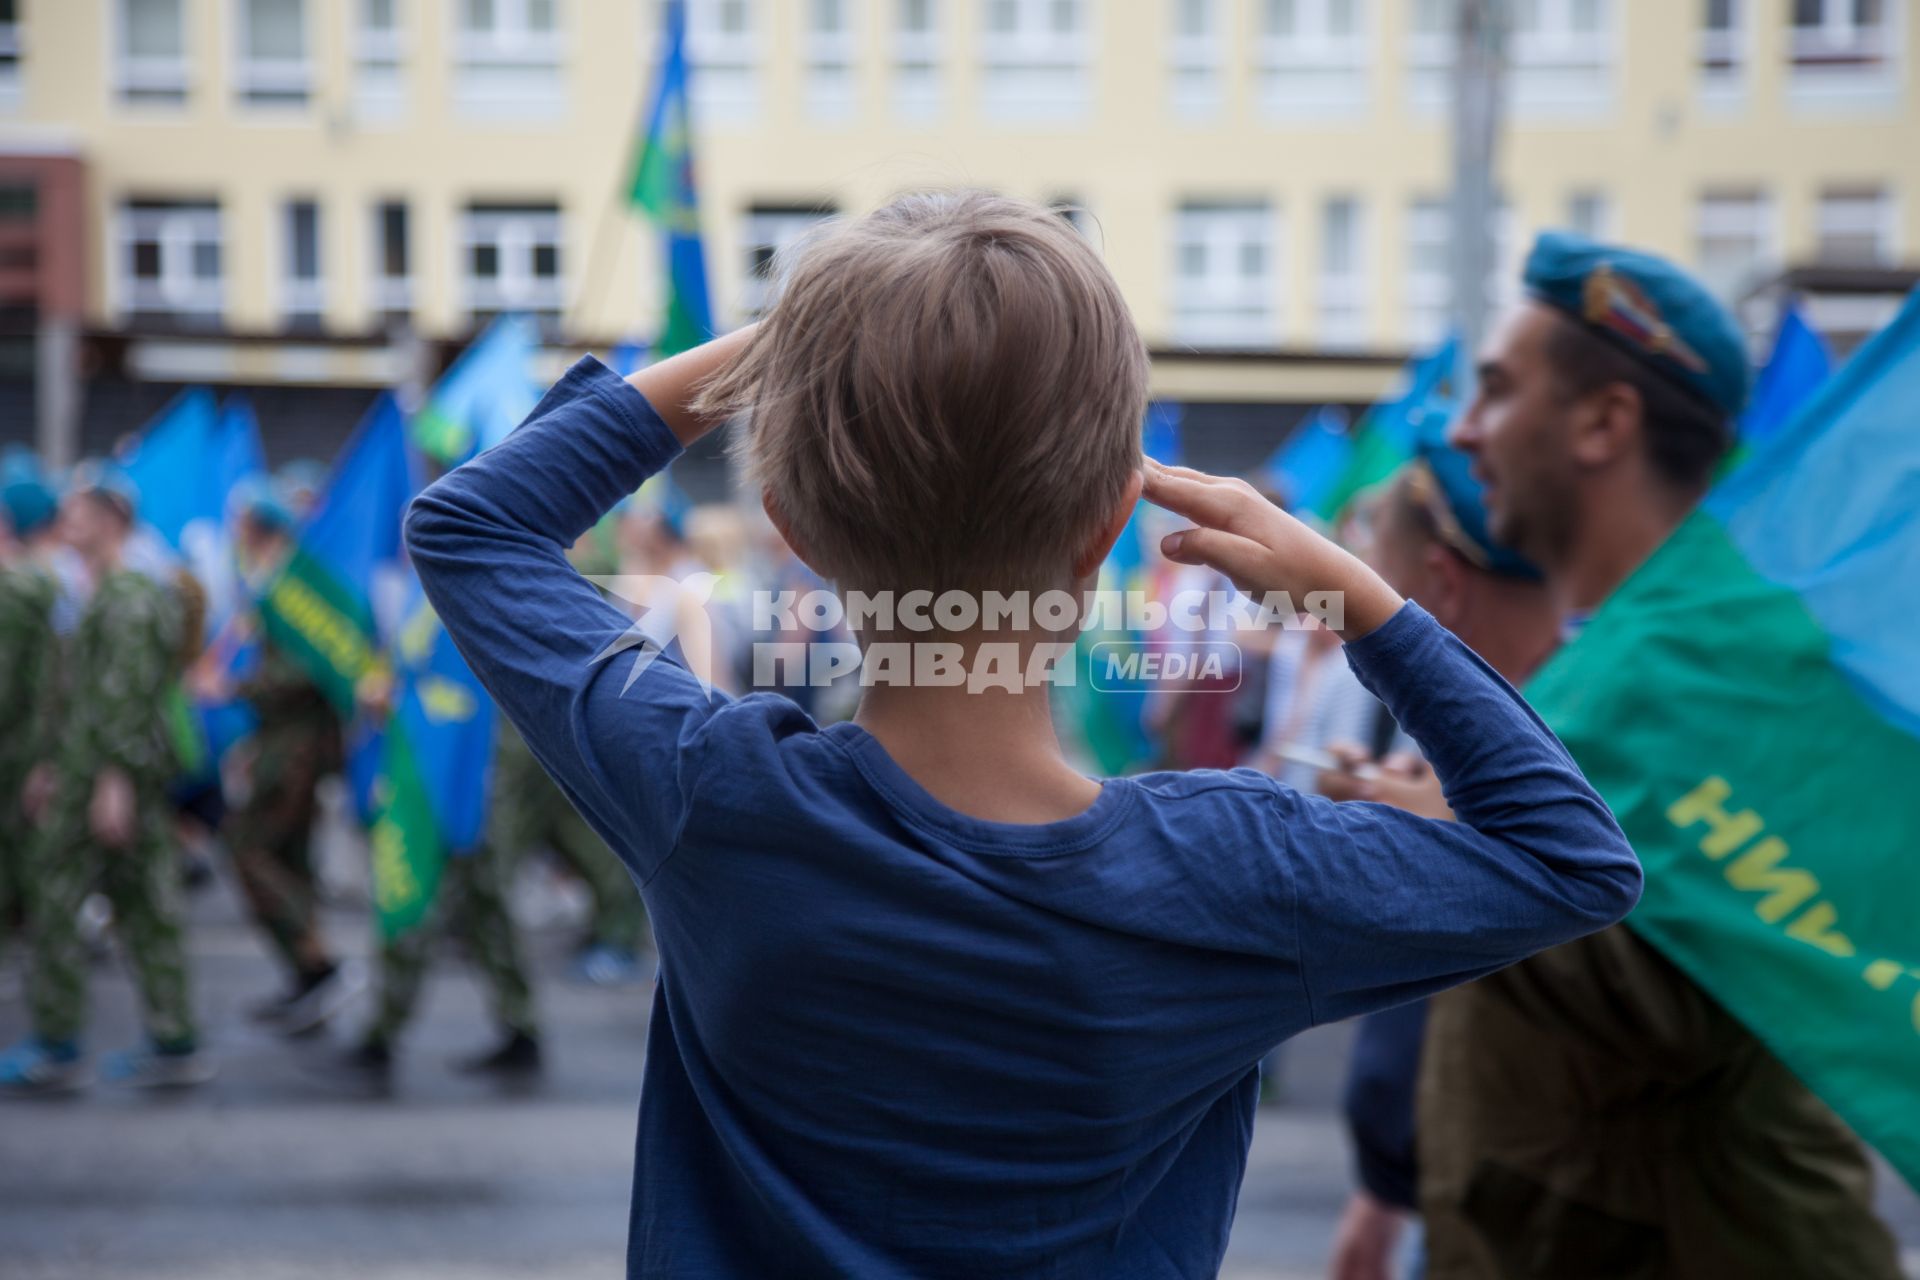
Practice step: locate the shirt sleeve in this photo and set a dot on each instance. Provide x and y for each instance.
(1390, 906)
(618, 724)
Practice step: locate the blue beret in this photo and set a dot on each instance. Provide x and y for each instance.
(108, 481)
(24, 492)
(1650, 309)
(258, 498)
(1442, 479)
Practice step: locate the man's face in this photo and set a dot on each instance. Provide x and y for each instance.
(1518, 432)
(85, 524)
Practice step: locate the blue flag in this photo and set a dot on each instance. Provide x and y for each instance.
(486, 394)
(169, 466)
(1310, 462)
(662, 188)
(448, 721)
(1798, 367)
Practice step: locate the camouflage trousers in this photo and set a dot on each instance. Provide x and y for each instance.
(270, 838)
(142, 882)
(472, 901)
(530, 812)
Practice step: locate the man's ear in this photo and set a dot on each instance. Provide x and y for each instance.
(1445, 596)
(1087, 563)
(785, 528)
(1608, 424)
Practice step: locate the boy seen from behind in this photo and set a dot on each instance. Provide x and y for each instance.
(931, 1003)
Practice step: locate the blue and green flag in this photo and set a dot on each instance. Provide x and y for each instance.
(1748, 702)
(662, 188)
(1798, 366)
(488, 391)
(1311, 461)
(1387, 434)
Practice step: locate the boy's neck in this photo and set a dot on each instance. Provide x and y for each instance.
(990, 754)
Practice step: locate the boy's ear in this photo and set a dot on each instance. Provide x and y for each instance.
(785, 529)
(1087, 563)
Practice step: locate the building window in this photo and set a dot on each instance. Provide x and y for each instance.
(392, 263)
(150, 52)
(1312, 56)
(1842, 45)
(1196, 57)
(1560, 53)
(1723, 43)
(1733, 240)
(1225, 285)
(1034, 56)
(507, 56)
(9, 53)
(510, 261)
(379, 60)
(1343, 276)
(272, 69)
(170, 255)
(725, 60)
(770, 231)
(301, 298)
(1591, 214)
(830, 45)
(1429, 282)
(1854, 227)
(916, 59)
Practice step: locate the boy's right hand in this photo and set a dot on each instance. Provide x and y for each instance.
(1262, 548)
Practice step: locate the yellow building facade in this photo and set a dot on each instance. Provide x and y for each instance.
(1264, 175)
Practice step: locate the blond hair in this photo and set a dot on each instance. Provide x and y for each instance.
(947, 395)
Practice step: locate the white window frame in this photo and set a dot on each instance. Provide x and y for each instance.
(917, 63)
(379, 63)
(1223, 308)
(1865, 210)
(389, 294)
(777, 229)
(272, 84)
(1034, 73)
(1725, 55)
(724, 65)
(1841, 59)
(179, 230)
(516, 234)
(1553, 69)
(832, 62)
(303, 301)
(1601, 226)
(1196, 63)
(1726, 214)
(1313, 71)
(1342, 293)
(1427, 290)
(147, 81)
(12, 55)
(512, 71)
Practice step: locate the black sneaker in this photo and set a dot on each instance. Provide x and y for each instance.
(518, 1055)
(318, 997)
(371, 1061)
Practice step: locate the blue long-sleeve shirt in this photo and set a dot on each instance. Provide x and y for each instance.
(894, 1040)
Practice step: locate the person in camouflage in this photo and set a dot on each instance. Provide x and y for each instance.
(531, 812)
(473, 902)
(26, 667)
(271, 779)
(103, 818)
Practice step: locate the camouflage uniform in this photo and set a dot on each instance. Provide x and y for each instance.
(26, 670)
(473, 900)
(269, 830)
(530, 811)
(119, 665)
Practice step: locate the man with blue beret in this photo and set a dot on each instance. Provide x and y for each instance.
(28, 593)
(1592, 1111)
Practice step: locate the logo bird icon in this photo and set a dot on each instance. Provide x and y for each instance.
(667, 609)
